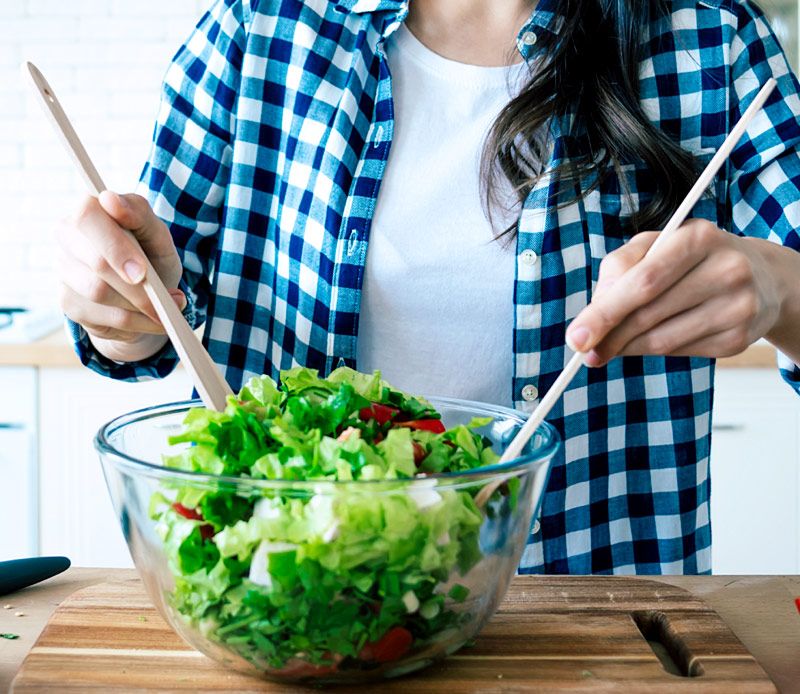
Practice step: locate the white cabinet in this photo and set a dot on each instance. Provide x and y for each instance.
(18, 492)
(75, 512)
(755, 474)
(755, 466)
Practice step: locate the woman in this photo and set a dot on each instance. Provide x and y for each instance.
(437, 189)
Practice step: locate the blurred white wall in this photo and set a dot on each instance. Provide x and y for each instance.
(105, 60)
(785, 21)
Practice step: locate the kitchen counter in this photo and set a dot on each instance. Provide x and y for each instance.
(759, 609)
(55, 350)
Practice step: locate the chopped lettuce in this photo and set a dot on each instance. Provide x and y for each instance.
(320, 576)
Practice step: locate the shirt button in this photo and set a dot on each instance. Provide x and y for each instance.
(537, 526)
(352, 242)
(530, 393)
(529, 38)
(528, 257)
(378, 136)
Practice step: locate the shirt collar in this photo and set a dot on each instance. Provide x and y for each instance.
(545, 17)
(394, 11)
(541, 16)
(361, 6)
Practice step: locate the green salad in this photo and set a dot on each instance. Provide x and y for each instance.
(309, 581)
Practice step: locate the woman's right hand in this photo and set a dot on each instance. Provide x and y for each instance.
(101, 273)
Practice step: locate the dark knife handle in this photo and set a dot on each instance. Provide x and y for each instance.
(20, 573)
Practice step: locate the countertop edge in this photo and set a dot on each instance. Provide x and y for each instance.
(54, 350)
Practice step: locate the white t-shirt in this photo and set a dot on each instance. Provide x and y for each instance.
(437, 307)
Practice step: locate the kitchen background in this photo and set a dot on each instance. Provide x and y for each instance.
(105, 59)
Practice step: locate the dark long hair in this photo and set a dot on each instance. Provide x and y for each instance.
(588, 74)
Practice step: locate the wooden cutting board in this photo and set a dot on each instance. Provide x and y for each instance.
(551, 633)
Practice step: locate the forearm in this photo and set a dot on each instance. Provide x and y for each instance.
(785, 335)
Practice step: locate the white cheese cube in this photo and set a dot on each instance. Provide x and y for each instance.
(259, 565)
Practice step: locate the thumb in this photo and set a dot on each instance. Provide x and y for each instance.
(618, 262)
(133, 212)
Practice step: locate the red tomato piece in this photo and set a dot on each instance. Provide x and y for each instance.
(433, 425)
(206, 531)
(393, 645)
(366, 653)
(189, 513)
(297, 668)
(380, 413)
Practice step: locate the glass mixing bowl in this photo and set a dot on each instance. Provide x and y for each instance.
(131, 449)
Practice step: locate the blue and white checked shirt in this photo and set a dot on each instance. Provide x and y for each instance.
(270, 146)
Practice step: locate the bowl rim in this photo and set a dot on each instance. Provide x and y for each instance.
(550, 443)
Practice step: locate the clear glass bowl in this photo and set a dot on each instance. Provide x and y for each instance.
(131, 449)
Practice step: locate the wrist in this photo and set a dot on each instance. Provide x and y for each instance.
(140, 349)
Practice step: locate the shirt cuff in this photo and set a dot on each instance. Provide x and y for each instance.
(161, 364)
(790, 371)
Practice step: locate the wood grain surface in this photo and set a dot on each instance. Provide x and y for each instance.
(551, 633)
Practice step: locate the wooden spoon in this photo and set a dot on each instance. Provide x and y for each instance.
(559, 386)
(205, 375)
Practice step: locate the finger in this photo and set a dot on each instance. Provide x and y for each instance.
(115, 248)
(90, 285)
(85, 312)
(690, 291)
(618, 262)
(84, 283)
(133, 212)
(105, 333)
(722, 315)
(725, 344)
(79, 247)
(641, 284)
(179, 298)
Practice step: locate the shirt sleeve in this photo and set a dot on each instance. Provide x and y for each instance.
(188, 169)
(764, 169)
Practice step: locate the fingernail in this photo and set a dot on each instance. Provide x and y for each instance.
(122, 201)
(577, 339)
(592, 359)
(134, 271)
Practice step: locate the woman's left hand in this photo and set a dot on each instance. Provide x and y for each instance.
(703, 292)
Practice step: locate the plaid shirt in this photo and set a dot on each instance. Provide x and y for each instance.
(269, 149)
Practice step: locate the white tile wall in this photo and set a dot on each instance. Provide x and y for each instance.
(105, 60)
